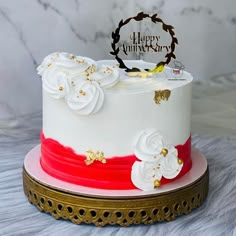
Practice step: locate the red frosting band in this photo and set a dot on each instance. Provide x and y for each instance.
(63, 163)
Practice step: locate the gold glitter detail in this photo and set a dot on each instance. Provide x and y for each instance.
(61, 88)
(161, 95)
(82, 61)
(72, 57)
(180, 161)
(108, 70)
(164, 152)
(49, 64)
(90, 70)
(83, 93)
(142, 74)
(157, 183)
(92, 156)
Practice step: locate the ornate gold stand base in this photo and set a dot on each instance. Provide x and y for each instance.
(102, 211)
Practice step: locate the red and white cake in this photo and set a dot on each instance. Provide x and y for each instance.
(106, 129)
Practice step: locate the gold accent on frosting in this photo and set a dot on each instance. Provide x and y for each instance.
(90, 70)
(82, 92)
(161, 95)
(157, 183)
(180, 161)
(92, 156)
(72, 57)
(164, 152)
(82, 61)
(142, 74)
(61, 88)
(49, 64)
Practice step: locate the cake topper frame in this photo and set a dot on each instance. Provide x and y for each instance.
(139, 17)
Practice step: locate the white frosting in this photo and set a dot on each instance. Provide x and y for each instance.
(106, 76)
(144, 174)
(170, 167)
(148, 145)
(56, 83)
(121, 117)
(153, 163)
(158, 81)
(87, 97)
(64, 62)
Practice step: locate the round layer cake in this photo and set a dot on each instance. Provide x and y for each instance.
(106, 128)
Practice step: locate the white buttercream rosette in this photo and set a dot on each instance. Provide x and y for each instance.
(78, 80)
(87, 97)
(157, 160)
(68, 63)
(106, 76)
(57, 69)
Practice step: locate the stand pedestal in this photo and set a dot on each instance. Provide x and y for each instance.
(100, 207)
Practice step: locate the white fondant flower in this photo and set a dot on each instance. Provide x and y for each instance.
(144, 174)
(148, 145)
(86, 98)
(171, 165)
(106, 76)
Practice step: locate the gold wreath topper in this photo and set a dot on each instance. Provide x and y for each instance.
(144, 74)
(161, 95)
(94, 156)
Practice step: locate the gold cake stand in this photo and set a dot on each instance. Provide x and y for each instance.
(123, 211)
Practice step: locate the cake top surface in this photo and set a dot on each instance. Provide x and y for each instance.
(156, 81)
(64, 66)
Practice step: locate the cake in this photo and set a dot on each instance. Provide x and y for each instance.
(104, 128)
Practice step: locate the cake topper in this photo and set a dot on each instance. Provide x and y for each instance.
(140, 43)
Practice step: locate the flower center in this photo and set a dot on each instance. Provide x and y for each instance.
(164, 152)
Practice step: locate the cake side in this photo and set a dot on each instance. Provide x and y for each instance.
(113, 129)
(100, 124)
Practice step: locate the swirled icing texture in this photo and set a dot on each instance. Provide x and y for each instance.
(78, 80)
(86, 98)
(148, 145)
(106, 76)
(153, 164)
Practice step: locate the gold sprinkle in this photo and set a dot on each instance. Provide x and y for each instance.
(90, 70)
(83, 93)
(164, 152)
(180, 161)
(61, 88)
(72, 57)
(80, 61)
(49, 64)
(157, 183)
